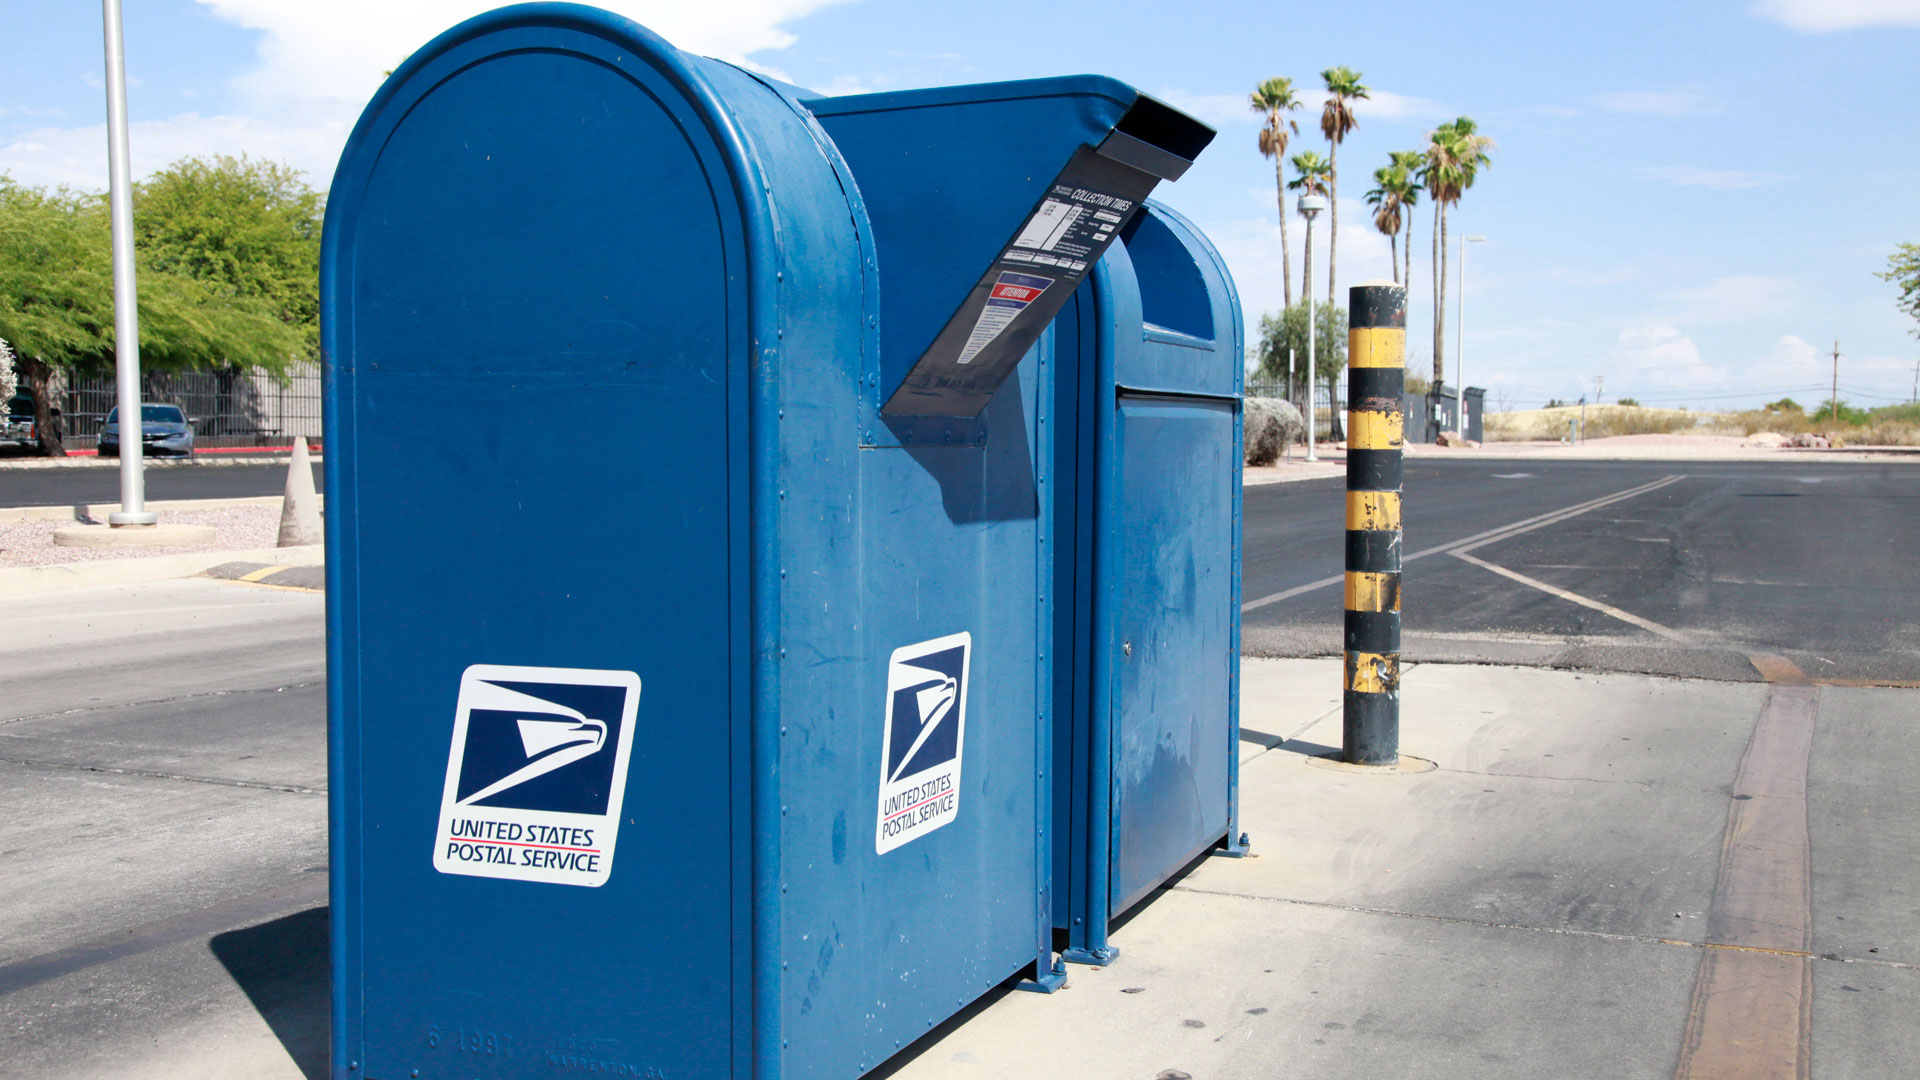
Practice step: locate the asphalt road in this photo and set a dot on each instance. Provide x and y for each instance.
(80, 485)
(163, 831)
(1698, 566)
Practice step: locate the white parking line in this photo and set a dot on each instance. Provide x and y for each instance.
(1479, 539)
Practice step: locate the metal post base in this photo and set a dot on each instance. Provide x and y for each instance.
(1053, 980)
(1100, 957)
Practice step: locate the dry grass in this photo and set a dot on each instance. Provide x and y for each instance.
(1885, 427)
(1601, 420)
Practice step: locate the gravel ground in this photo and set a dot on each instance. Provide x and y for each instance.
(30, 543)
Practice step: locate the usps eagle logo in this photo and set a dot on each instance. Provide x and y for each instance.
(536, 773)
(923, 739)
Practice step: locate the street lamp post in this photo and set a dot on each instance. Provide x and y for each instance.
(126, 319)
(1460, 332)
(1310, 206)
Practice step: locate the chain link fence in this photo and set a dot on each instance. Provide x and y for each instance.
(1323, 415)
(231, 407)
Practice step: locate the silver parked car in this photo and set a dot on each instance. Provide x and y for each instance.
(164, 429)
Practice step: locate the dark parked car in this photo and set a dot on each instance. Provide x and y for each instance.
(16, 427)
(164, 429)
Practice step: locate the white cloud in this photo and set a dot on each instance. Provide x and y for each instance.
(1661, 355)
(855, 84)
(1718, 179)
(337, 50)
(77, 156)
(1826, 16)
(1223, 110)
(1736, 298)
(1653, 102)
(319, 63)
(1251, 248)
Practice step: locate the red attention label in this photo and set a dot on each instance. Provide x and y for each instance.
(1014, 292)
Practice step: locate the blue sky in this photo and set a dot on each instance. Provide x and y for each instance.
(1687, 199)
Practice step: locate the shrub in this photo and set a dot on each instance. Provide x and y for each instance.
(1271, 425)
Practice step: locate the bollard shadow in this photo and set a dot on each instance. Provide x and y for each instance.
(1308, 749)
(1293, 746)
(282, 968)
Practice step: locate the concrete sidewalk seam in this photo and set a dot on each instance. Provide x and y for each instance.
(151, 774)
(162, 701)
(1625, 939)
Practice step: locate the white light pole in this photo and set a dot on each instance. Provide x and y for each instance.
(1310, 206)
(126, 319)
(1460, 331)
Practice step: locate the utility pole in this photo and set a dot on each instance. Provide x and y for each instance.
(1599, 389)
(1833, 403)
(1916, 382)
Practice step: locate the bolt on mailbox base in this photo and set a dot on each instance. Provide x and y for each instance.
(1054, 979)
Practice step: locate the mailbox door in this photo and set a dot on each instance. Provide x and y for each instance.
(535, 236)
(1173, 649)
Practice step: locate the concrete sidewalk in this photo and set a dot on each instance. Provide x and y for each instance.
(1549, 901)
(1543, 904)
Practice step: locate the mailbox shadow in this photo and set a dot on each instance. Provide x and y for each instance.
(282, 968)
(990, 483)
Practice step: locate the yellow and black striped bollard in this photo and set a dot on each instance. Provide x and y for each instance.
(1376, 423)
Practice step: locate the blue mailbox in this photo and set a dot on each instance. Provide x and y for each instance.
(714, 739)
(1147, 561)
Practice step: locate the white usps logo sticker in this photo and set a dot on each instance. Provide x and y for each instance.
(920, 747)
(536, 773)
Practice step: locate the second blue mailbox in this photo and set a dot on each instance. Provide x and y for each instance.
(1147, 566)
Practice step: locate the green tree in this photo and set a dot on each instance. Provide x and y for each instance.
(1456, 152)
(1311, 173)
(1287, 330)
(243, 228)
(1336, 119)
(1394, 194)
(1274, 99)
(1410, 161)
(1903, 269)
(56, 302)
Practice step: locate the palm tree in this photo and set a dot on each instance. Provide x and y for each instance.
(1312, 173)
(1409, 161)
(1394, 192)
(1274, 99)
(1456, 152)
(1336, 119)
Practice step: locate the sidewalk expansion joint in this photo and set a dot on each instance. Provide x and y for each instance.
(1625, 939)
(153, 774)
(1644, 785)
(160, 701)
